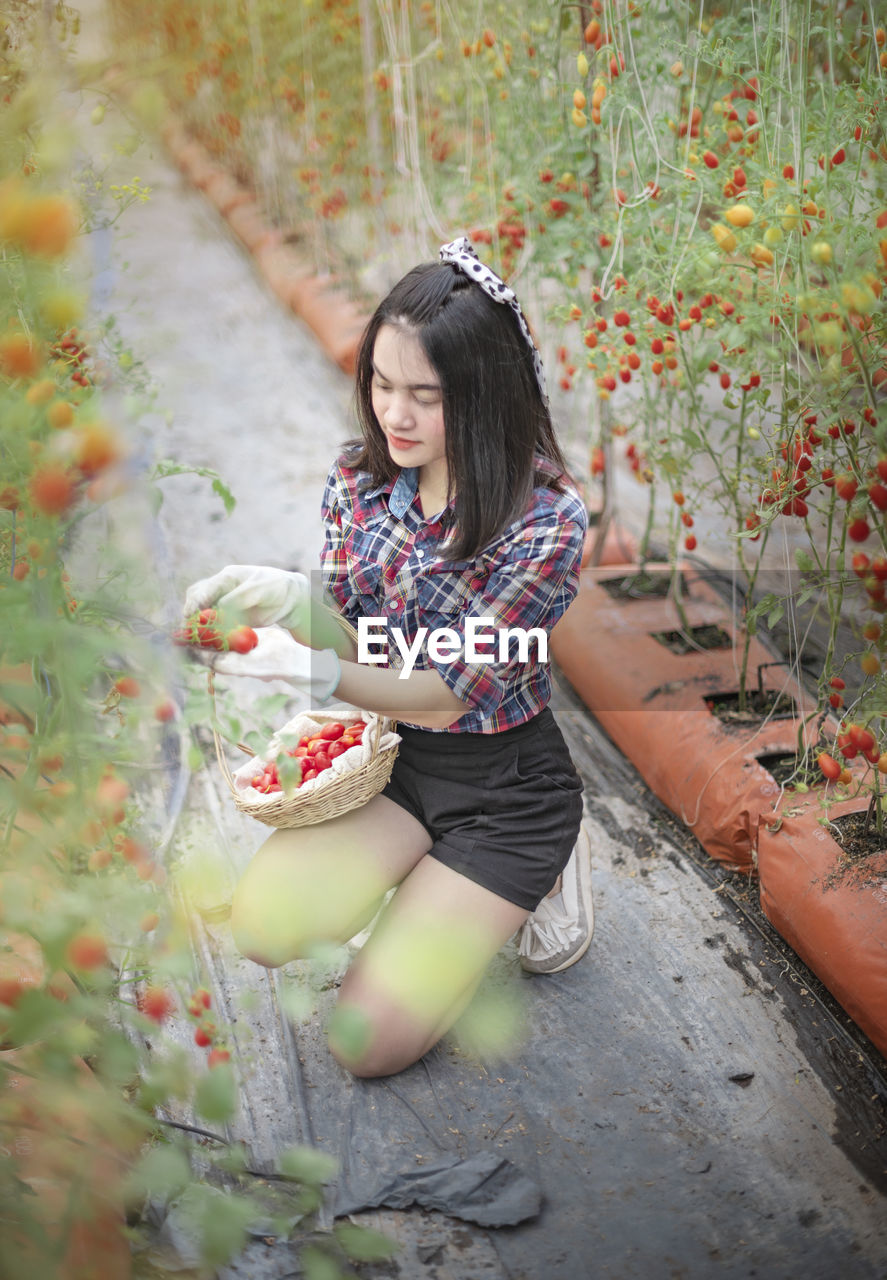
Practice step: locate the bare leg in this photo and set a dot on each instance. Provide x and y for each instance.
(323, 883)
(419, 969)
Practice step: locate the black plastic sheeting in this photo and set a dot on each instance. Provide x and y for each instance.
(446, 1134)
(482, 1188)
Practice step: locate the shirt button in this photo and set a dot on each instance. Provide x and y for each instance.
(420, 553)
(396, 604)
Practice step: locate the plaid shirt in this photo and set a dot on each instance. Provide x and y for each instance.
(381, 560)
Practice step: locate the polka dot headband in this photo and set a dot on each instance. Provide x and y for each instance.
(460, 254)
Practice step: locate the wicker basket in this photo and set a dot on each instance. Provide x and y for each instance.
(339, 793)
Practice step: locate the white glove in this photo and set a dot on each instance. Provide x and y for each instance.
(254, 594)
(277, 656)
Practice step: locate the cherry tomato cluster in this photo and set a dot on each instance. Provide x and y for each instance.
(206, 629)
(70, 351)
(198, 1009)
(852, 741)
(315, 754)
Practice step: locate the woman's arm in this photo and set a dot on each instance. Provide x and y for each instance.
(422, 698)
(321, 630)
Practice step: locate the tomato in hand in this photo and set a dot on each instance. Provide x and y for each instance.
(241, 639)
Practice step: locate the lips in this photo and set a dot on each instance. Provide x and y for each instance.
(398, 443)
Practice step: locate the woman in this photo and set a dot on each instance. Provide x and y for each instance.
(454, 510)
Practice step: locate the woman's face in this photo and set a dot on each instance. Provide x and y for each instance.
(408, 402)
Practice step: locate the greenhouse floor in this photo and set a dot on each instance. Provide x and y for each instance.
(684, 1102)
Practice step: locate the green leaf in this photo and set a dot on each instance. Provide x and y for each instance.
(118, 1060)
(296, 1002)
(216, 1094)
(224, 1231)
(349, 1030)
(775, 615)
(168, 467)
(803, 559)
(218, 1220)
(363, 1244)
(220, 488)
(317, 1264)
(308, 1165)
(162, 1171)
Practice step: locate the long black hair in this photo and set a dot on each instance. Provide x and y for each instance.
(495, 418)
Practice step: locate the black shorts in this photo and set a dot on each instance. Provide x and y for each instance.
(503, 808)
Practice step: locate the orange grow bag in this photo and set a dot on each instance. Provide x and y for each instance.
(837, 923)
(652, 704)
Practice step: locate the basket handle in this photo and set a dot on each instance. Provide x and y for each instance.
(375, 743)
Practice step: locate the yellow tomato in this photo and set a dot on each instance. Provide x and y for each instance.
(791, 217)
(724, 236)
(858, 298)
(739, 215)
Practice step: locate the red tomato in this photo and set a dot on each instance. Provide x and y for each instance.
(321, 761)
(309, 774)
(155, 1003)
(347, 740)
(845, 487)
(337, 748)
(829, 766)
(332, 731)
(209, 638)
(242, 639)
(317, 744)
(207, 615)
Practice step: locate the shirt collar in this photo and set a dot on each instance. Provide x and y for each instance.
(401, 492)
(404, 491)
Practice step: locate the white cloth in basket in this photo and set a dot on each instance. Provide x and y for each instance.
(303, 726)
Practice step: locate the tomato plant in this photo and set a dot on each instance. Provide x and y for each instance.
(96, 972)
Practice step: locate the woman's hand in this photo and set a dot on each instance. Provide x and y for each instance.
(254, 594)
(277, 656)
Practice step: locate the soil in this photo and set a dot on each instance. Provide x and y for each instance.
(858, 863)
(642, 586)
(781, 766)
(771, 703)
(697, 639)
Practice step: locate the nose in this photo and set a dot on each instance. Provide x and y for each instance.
(397, 413)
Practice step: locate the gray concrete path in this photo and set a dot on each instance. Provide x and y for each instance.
(687, 1105)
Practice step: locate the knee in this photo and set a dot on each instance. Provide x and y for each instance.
(255, 931)
(368, 1044)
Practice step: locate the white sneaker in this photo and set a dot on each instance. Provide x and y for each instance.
(559, 931)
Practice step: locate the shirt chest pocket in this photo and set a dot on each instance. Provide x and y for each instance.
(445, 590)
(365, 546)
